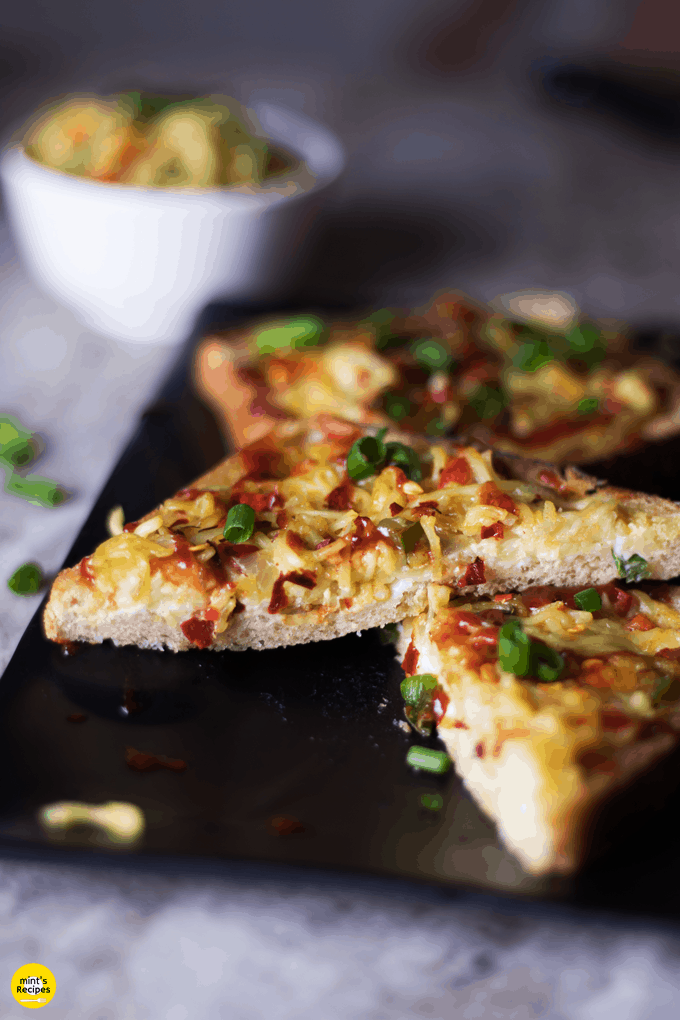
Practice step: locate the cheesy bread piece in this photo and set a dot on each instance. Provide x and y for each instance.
(547, 702)
(319, 530)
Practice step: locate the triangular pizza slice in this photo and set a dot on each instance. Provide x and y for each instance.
(548, 702)
(321, 529)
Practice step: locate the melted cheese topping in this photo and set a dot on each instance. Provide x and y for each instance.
(326, 543)
(531, 751)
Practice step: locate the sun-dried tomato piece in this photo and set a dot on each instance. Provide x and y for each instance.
(474, 574)
(456, 472)
(493, 531)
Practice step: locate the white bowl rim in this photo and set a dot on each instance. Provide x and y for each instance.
(14, 156)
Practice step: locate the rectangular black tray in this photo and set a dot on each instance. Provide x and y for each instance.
(293, 755)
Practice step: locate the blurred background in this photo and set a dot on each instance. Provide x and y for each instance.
(494, 144)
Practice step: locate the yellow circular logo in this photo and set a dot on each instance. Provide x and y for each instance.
(33, 985)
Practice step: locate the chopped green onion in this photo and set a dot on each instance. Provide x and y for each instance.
(384, 335)
(240, 524)
(586, 343)
(548, 665)
(17, 447)
(589, 405)
(633, 569)
(432, 801)
(514, 649)
(431, 355)
(428, 759)
(39, 491)
(532, 354)
(418, 693)
(406, 458)
(396, 406)
(27, 580)
(366, 456)
(589, 600)
(518, 654)
(436, 427)
(411, 537)
(414, 689)
(487, 401)
(299, 331)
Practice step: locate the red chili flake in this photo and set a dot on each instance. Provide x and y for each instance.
(493, 531)
(640, 622)
(460, 725)
(347, 603)
(670, 653)
(286, 825)
(474, 574)
(279, 599)
(479, 750)
(365, 534)
(621, 600)
(130, 526)
(85, 570)
(551, 480)
(457, 471)
(341, 496)
(427, 509)
(76, 717)
(466, 622)
(491, 495)
(324, 543)
(612, 720)
(211, 614)
(140, 761)
(410, 662)
(259, 501)
(504, 598)
(293, 541)
(198, 632)
(395, 508)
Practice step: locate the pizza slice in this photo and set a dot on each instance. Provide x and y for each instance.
(548, 702)
(317, 530)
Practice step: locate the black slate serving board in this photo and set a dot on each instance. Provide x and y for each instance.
(292, 756)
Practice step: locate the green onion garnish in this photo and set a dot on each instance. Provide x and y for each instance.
(370, 454)
(39, 491)
(396, 406)
(487, 401)
(432, 801)
(240, 524)
(514, 649)
(548, 664)
(532, 354)
(406, 458)
(27, 580)
(633, 569)
(428, 759)
(17, 448)
(589, 405)
(585, 342)
(589, 600)
(431, 355)
(418, 692)
(366, 456)
(518, 654)
(299, 331)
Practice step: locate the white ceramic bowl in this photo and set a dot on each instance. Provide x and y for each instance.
(139, 263)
